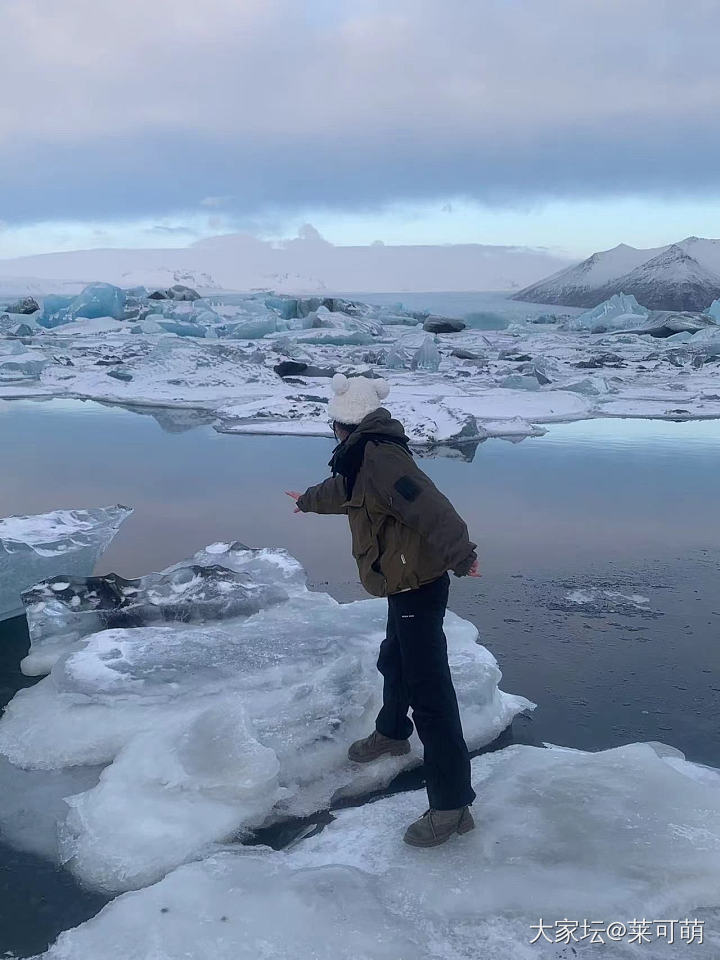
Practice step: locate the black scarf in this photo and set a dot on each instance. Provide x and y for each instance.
(347, 457)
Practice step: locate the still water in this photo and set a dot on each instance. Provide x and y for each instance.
(567, 525)
(626, 507)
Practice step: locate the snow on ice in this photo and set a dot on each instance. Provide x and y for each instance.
(224, 356)
(208, 728)
(562, 836)
(37, 547)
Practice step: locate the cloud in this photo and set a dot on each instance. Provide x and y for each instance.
(143, 107)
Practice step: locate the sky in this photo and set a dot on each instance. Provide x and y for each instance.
(571, 125)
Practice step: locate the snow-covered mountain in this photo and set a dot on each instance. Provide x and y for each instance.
(682, 276)
(307, 264)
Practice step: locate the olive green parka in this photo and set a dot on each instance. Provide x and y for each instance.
(404, 531)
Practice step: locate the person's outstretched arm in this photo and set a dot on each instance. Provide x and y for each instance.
(326, 497)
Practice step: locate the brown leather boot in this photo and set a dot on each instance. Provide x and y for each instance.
(436, 826)
(375, 746)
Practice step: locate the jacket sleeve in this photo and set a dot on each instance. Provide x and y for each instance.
(411, 497)
(326, 497)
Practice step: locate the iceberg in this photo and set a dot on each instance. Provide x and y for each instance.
(618, 313)
(33, 548)
(210, 728)
(397, 358)
(427, 356)
(96, 300)
(563, 836)
(334, 320)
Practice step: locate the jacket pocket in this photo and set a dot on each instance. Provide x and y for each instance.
(398, 557)
(361, 531)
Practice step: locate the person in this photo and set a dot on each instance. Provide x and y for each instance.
(406, 536)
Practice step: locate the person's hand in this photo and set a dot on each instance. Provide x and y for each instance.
(474, 570)
(294, 494)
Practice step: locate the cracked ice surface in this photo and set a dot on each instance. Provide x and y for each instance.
(209, 729)
(503, 382)
(631, 832)
(33, 548)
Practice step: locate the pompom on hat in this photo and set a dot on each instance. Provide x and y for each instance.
(355, 397)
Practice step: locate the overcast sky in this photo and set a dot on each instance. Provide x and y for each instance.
(572, 124)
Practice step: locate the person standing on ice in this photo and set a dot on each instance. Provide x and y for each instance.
(405, 537)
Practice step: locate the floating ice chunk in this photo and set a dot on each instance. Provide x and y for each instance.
(618, 313)
(334, 320)
(88, 327)
(25, 306)
(588, 386)
(179, 291)
(714, 310)
(331, 336)
(286, 307)
(33, 548)
(517, 381)
(26, 365)
(427, 355)
(304, 673)
(683, 337)
(54, 310)
(397, 358)
(264, 565)
(96, 300)
(709, 340)
(435, 422)
(665, 323)
(512, 428)
(149, 325)
(182, 329)
(27, 328)
(99, 300)
(251, 328)
(62, 611)
(560, 834)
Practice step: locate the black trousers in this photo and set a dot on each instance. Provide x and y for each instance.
(414, 663)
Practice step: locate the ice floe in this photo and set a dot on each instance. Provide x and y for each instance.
(211, 727)
(33, 548)
(572, 850)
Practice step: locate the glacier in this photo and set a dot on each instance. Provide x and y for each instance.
(209, 728)
(33, 548)
(626, 836)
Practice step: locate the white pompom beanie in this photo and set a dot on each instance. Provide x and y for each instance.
(355, 397)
